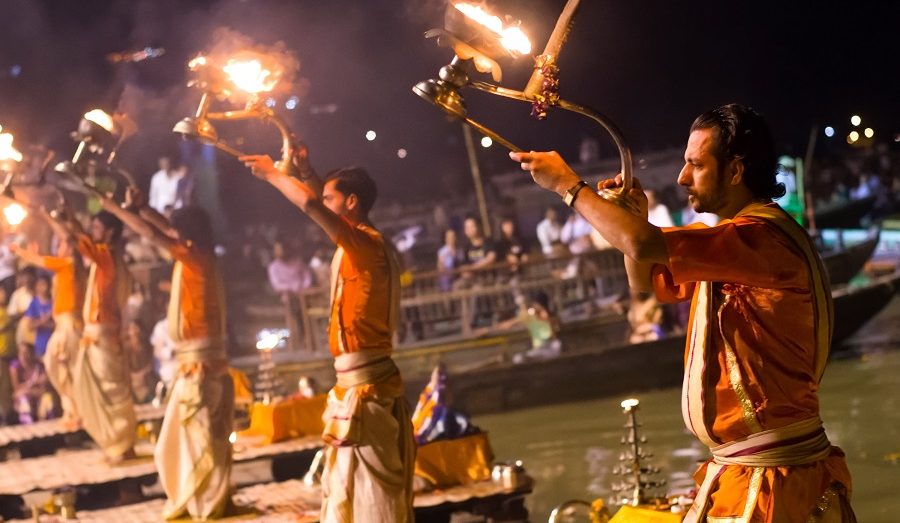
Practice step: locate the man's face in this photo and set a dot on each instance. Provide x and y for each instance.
(471, 229)
(98, 231)
(164, 164)
(450, 237)
(702, 176)
(335, 200)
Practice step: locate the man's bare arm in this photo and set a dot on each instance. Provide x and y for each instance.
(299, 193)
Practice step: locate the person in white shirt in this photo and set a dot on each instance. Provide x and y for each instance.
(576, 233)
(658, 213)
(548, 231)
(164, 351)
(164, 186)
(288, 275)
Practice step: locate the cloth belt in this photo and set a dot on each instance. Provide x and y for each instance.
(199, 350)
(95, 331)
(799, 443)
(364, 368)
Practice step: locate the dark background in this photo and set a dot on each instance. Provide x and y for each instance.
(651, 65)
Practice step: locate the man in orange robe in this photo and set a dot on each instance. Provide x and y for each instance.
(370, 452)
(193, 455)
(101, 385)
(760, 325)
(68, 290)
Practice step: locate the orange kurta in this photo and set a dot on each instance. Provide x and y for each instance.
(200, 307)
(760, 371)
(363, 300)
(67, 289)
(108, 284)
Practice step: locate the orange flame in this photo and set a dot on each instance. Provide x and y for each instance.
(197, 62)
(7, 151)
(249, 75)
(510, 37)
(14, 214)
(101, 118)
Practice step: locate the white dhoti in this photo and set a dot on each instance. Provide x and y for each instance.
(102, 390)
(62, 351)
(193, 454)
(369, 464)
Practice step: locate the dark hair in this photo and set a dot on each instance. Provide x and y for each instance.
(193, 224)
(742, 133)
(355, 180)
(111, 222)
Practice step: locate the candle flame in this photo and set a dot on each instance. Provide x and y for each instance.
(511, 37)
(14, 214)
(250, 75)
(7, 151)
(197, 62)
(101, 118)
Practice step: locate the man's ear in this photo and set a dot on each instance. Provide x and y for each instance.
(736, 171)
(352, 201)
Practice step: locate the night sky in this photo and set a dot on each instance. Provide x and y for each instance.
(650, 65)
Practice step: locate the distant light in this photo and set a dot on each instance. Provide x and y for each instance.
(232, 438)
(370, 135)
(897, 137)
(15, 71)
(869, 132)
(291, 103)
(852, 137)
(855, 120)
(271, 103)
(401, 153)
(829, 131)
(486, 141)
(630, 404)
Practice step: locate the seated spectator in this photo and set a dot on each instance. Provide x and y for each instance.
(548, 232)
(164, 351)
(449, 257)
(288, 275)
(32, 394)
(658, 214)
(20, 300)
(479, 251)
(576, 234)
(38, 318)
(511, 247)
(140, 362)
(7, 354)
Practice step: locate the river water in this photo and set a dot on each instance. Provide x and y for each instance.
(570, 449)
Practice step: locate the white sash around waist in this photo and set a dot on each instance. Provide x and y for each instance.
(364, 367)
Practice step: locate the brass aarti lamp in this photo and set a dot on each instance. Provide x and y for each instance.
(478, 39)
(99, 136)
(248, 75)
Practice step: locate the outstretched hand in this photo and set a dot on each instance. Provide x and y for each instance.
(261, 165)
(548, 170)
(134, 198)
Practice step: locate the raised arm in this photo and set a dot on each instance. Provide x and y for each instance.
(138, 224)
(302, 194)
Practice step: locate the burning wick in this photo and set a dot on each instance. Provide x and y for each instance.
(250, 75)
(511, 37)
(7, 151)
(14, 214)
(197, 62)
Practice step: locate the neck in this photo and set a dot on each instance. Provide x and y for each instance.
(734, 205)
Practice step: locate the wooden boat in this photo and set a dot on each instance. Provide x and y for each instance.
(845, 262)
(588, 372)
(847, 215)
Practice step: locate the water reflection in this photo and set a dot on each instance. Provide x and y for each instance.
(571, 449)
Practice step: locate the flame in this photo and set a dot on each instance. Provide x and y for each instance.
(101, 118)
(7, 151)
(197, 62)
(511, 37)
(268, 342)
(14, 214)
(250, 75)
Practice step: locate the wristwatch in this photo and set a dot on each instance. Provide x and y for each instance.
(569, 198)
